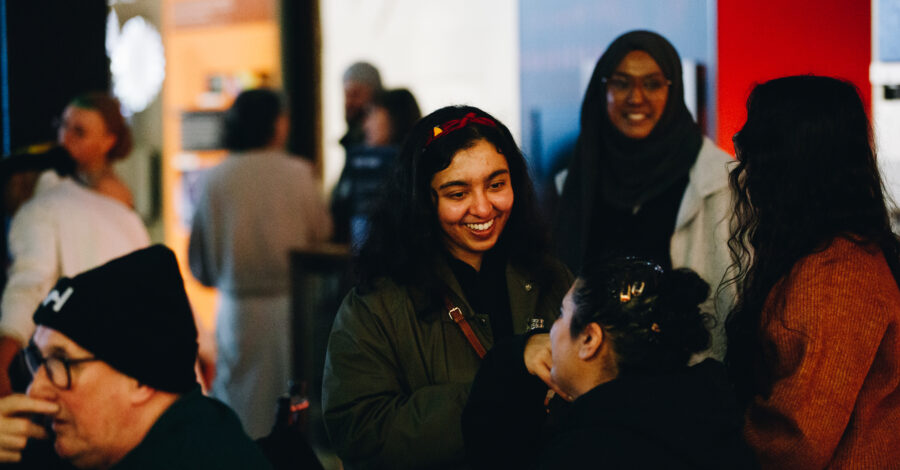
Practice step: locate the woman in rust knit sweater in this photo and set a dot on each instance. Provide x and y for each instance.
(814, 341)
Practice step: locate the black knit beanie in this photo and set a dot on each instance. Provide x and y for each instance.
(133, 314)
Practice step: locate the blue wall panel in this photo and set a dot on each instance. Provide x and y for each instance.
(888, 30)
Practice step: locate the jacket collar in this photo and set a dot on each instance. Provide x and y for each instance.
(708, 176)
(521, 286)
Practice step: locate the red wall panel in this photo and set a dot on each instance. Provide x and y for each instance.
(765, 39)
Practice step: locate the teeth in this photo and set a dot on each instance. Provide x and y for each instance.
(481, 227)
(636, 117)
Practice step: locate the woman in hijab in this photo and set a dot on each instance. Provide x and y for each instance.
(644, 181)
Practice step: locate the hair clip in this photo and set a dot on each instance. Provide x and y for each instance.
(631, 290)
(455, 124)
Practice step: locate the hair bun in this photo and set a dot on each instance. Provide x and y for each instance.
(685, 287)
(682, 325)
(653, 315)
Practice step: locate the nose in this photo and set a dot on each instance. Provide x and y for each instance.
(481, 205)
(636, 94)
(65, 137)
(40, 386)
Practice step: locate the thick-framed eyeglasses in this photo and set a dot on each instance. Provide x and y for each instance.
(59, 369)
(622, 85)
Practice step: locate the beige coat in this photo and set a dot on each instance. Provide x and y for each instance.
(700, 240)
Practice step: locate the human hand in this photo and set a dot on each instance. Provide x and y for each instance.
(16, 426)
(539, 360)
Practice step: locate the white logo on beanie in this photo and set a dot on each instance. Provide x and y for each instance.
(58, 300)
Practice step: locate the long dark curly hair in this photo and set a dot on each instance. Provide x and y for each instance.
(405, 236)
(806, 174)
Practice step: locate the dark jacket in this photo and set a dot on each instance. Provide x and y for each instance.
(398, 374)
(196, 432)
(359, 186)
(684, 419)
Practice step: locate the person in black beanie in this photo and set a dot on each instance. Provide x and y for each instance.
(112, 361)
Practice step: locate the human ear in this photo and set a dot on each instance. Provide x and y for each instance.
(109, 141)
(589, 341)
(140, 393)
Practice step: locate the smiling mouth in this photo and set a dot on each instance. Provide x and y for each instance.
(481, 227)
(636, 116)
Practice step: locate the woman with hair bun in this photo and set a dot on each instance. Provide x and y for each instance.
(619, 352)
(814, 341)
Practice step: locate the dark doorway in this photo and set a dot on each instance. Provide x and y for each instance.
(53, 50)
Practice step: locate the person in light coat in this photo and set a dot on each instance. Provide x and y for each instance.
(644, 181)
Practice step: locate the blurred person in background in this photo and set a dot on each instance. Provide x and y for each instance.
(253, 209)
(92, 135)
(95, 134)
(362, 82)
(73, 222)
(388, 121)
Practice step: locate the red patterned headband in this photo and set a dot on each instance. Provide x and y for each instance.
(456, 124)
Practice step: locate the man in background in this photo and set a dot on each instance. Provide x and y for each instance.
(361, 82)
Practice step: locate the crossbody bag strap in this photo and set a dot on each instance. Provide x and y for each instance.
(457, 316)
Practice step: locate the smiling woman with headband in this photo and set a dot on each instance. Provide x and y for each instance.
(455, 260)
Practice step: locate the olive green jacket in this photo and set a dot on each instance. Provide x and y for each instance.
(397, 375)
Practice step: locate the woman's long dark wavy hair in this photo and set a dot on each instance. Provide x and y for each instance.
(405, 236)
(806, 175)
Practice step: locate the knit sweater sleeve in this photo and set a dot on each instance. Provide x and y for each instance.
(821, 329)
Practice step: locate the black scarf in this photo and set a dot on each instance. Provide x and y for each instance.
(633, 171)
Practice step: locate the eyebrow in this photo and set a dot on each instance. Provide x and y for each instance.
(651, 74)
(465, 184)
(54, 350)
(57, 351)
